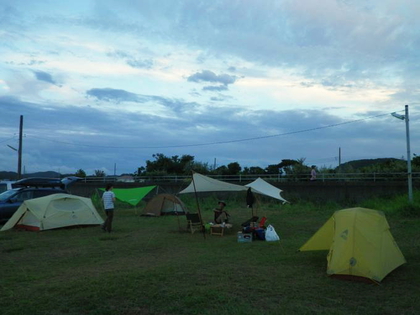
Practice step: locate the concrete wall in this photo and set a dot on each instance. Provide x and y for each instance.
(348, 192)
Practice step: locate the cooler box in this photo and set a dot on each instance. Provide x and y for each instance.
(244, 237)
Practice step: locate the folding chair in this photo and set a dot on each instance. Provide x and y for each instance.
(248, 222)
(217, 230)
(193, 222)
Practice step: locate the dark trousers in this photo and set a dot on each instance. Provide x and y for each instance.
(108, 222)
(220, 217)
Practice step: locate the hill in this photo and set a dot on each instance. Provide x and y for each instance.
(13, 175)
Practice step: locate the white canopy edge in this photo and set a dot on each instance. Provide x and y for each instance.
(207, 184)
(260, 186)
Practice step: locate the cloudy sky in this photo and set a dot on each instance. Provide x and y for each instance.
(112, 82)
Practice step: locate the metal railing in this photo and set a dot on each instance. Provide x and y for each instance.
(323, 177)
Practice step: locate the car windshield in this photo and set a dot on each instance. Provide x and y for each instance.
(7, 194)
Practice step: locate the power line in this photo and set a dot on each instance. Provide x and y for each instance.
(7, 140)
(215, 142)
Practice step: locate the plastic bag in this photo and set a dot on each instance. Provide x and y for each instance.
(270, 234)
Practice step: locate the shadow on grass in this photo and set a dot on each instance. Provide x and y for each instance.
(108, 238)
(11, 250)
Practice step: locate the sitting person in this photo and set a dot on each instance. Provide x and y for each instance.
(220, 215)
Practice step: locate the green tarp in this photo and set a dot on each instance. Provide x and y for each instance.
(131, 195)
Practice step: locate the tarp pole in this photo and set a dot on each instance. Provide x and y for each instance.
(198, 206)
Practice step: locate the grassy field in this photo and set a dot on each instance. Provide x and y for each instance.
(150, 266)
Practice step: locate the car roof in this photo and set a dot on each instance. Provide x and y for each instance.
(58, 189)
(46, 182)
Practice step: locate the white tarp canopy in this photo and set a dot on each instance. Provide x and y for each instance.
(262, 187)
(207, 184)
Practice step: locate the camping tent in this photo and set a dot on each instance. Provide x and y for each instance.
(360, 244)
(203, 183)
(164, 204)
(54, 211)
(131, 195)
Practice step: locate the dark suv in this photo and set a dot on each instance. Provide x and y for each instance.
(30, 188)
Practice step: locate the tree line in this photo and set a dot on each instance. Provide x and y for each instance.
(162, 165)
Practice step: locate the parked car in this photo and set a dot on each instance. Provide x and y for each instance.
(30, 188)
(6, 185)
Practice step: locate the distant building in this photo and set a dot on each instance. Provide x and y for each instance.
(126, 179)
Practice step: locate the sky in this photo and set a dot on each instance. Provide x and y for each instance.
(105, 85)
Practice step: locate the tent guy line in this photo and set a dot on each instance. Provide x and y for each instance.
(212, 143)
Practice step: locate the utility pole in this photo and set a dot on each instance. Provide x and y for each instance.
(20, 148)
(339, 160)
(409, 173)
(407, 132)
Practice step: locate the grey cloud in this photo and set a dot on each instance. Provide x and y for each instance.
(307, 84)
(118, 96)
(119, 54)
(210, 76)
(194, 93)
(35, 62)
(114, 95)
(30, 63)
(136, 63)
(343, 37)
(215, 88)
(338, 37)
(333, 108)
(10, 16)
(131, 60)
(278, 135)
(44, 76)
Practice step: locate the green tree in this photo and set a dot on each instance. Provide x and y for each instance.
(80, 173)
(295, 169)
(163, 164)
(199, 167)
(272, 169)
(253, 170)
(415, 162)
(99, 173)
(234, 168)
(221, 170)
(140, 171)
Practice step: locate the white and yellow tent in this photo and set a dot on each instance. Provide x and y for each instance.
(54, 211)
(360, 244)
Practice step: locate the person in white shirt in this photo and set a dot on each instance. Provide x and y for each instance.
(313, 173)
(108, 199)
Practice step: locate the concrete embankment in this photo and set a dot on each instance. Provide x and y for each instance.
(349, 192)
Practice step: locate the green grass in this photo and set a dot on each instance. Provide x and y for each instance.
(152, 266)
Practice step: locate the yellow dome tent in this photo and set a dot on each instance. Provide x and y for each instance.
(360, 244)
(54, 211)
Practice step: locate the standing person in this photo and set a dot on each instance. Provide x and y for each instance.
(108, 199)
(313, 173)
(220, 215)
